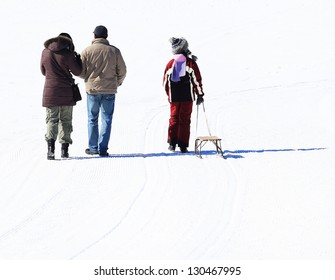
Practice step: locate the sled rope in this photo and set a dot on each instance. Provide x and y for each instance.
(209, 131)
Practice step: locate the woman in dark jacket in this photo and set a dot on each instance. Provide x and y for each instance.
(59, 61)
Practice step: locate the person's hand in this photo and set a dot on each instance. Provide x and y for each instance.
(78, 59)
(200, 99)
(77, 55)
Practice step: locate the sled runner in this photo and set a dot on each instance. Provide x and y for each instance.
(201, 141)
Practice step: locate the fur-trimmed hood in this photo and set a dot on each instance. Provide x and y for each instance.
(59, 43)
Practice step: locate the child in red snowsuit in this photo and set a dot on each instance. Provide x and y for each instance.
(183, 84)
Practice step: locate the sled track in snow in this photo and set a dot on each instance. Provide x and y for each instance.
(139, 193)
(30, 218)
(116, 226)
(158, 187)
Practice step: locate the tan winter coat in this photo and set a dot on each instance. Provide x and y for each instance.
(103, 67)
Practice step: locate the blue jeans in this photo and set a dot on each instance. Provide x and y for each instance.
(104, 104)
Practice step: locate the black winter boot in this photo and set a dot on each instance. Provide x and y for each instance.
(65, 150)
(172, 148)
(51, 149)
(183, 149)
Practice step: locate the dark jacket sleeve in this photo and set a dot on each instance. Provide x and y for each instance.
(42, 66)
(74, 64)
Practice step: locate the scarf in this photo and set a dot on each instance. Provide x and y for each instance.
(179, 67)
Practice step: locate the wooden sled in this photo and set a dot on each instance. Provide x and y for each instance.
(201, 141)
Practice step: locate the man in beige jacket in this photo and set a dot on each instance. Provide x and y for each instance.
(103, 71)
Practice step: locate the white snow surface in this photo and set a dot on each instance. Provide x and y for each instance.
(269, 79)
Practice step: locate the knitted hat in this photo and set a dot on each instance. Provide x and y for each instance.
(100, 32)
(179, 45)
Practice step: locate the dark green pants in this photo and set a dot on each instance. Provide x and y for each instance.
(59, 123)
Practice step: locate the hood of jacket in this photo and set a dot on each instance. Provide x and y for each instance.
(58, 43)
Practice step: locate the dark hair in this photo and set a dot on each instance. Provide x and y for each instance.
(67, 35)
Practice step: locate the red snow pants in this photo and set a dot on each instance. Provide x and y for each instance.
(180, 123)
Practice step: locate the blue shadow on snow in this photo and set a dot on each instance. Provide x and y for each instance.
(239, 153)
(236, 154)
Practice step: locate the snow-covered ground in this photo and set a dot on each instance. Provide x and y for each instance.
(269, 79)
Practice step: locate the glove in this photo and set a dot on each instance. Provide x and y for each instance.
(77, 55)
(200, 99)
(78, 59)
